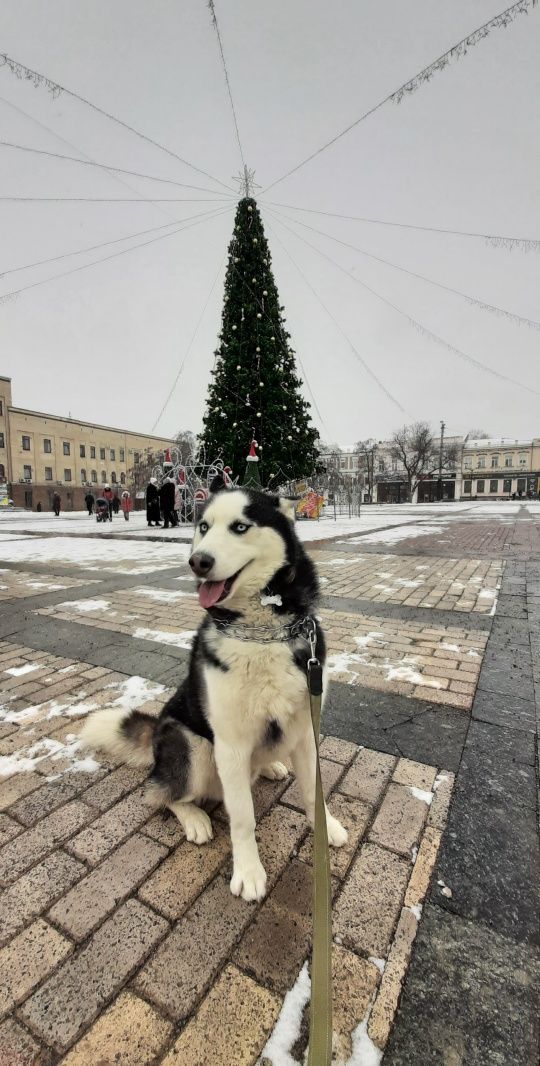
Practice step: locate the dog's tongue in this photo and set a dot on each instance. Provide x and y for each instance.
(210, 592)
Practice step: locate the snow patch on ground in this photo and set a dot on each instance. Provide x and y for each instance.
(451, 647)
(393, 536)
(379, 963)
(86, 605)
(421, 794)
(287, 1028)
(416, 909)
(178, 640)
(135, 691)
(163, 595)
(111, 556)
(18, 671)
(407, 673)
(364, 1052)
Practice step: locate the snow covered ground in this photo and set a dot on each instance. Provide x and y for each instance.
(111, 556)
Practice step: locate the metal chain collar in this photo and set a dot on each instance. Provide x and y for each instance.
(304, 627)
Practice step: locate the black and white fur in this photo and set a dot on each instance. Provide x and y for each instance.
(244, 706)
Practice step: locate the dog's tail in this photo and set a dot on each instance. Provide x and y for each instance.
(127, 735)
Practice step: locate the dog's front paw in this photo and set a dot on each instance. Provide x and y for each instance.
(337, 835)
(249, 881)
(275, 771)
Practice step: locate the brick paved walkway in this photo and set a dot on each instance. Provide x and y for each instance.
(120, 941)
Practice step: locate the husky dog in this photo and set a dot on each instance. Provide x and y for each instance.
(244, 706)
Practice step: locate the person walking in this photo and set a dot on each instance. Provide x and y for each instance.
(89, 501)
(152, 503)
(57, 502)
(107, 495)
(116, 503)
(166, 499)
(126, 503)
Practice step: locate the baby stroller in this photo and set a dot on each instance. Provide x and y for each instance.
(102, 510)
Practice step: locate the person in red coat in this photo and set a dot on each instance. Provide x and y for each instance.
(126, 503)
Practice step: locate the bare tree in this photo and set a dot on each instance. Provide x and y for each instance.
(186, 443)
(367, 450)
(478, 434)
(419, 452)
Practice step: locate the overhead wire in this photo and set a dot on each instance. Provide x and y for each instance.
(37, 122)
(413, 321)
(189, 347)
(212, 9)
(15, 66)
(495, 239)
(457, 50)
(207, 215)
(355, 351)
(114, 200)
(483, 304)
(92, 247)
(104, 166)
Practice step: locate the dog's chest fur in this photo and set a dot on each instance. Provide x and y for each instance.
(260, 691)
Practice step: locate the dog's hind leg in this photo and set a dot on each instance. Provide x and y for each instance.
(274, 771)
(194, 821)
(303, 759)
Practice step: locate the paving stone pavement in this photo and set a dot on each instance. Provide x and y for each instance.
(120, 941)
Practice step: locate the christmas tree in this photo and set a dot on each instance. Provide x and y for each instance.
(255, 389)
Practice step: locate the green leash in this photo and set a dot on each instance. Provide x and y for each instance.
(320, 1024)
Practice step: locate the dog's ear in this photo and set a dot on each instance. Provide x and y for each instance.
(217, 485)
(287, 506)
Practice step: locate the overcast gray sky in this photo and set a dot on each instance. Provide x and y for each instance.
(462, 152)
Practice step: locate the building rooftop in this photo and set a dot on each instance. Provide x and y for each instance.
(87, 422)
(497, 442)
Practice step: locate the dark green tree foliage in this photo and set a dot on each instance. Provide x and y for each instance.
(255, 388)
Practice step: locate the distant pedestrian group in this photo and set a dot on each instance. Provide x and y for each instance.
(165, 501)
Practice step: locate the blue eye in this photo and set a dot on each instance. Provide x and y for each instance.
(203, 527)
(239, 527)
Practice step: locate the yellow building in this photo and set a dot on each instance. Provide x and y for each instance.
(500, 467)
(41, 454)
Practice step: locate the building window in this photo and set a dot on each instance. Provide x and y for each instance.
(2, 470)
(66, 448)
(67, 474)
(523, 460)
(521, 484)
(381, 466)
(82, 451)
(113, 477)
(394, 466)
(47, 446)
(494, 486)
(467, 485)
(83, 476)
(122, 455)
(48, 473)
(480, 486)
(102, 453)
(467, 464)
(26, 444)
(27, 473)
(92, 452)
(103, 477)
(94, 477)
(122, 478)
(481, 462)
(508, 460)
(2, 444)
(113, 455)
(136, 458)
(507, 484)
(494, 460)
(1, 407)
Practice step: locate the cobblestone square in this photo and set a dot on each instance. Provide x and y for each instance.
(120, 941)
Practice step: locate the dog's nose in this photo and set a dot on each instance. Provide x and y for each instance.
(201, 563)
